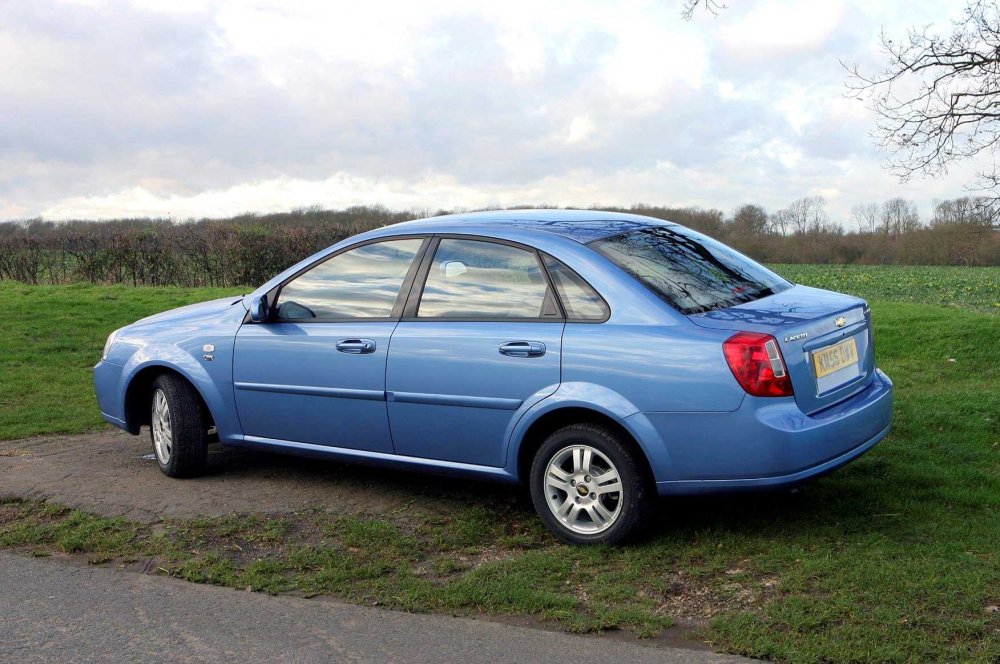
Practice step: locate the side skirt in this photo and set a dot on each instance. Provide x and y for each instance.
(450, 468)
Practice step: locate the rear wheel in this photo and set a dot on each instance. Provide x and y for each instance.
(177, 427)
(588, 486)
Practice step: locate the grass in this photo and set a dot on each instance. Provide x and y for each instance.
(895, 557)
(51, 336)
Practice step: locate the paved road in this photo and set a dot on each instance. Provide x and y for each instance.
(54, 612)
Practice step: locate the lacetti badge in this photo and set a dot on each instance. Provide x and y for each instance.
(840, 322)
(796, 337)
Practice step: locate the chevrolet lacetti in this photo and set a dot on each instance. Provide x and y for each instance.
(599, 358)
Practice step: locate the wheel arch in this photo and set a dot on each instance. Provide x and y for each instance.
(551, 421)
(139, 390)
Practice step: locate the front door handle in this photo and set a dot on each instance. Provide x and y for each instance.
(523, 349)
(356, 346)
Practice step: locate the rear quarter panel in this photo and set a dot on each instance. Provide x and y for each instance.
(655, 368)
(645, 358)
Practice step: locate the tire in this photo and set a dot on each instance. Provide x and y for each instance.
(573, 501)
(177, 427)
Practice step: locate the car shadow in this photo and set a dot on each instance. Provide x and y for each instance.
(850, 497)
(234, 463)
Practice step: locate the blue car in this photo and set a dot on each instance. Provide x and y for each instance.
(599, 358)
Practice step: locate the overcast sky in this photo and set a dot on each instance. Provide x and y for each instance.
(192, 109)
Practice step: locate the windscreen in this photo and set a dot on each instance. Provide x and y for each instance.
(690, 271)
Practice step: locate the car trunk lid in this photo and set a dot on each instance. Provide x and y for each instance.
(825, 339)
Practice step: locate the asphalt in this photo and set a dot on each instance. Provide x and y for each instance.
(53, 611)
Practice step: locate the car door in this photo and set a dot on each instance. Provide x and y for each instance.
(479, 342)
(314, 372)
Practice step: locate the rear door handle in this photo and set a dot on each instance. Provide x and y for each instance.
(356, 346)
(523, 349)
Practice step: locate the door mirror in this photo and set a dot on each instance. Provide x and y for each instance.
(259, 310)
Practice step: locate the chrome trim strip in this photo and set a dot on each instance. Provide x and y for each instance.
(834, 336)
(454, 400)
(337, 392)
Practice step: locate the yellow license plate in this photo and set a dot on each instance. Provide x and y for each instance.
(835, 357)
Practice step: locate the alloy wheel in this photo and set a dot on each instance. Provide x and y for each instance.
(163, 440)
(583, 489)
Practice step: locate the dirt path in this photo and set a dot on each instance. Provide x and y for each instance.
(113, 474)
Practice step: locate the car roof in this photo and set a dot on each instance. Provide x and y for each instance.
(580, 225)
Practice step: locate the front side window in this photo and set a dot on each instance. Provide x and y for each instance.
(358, 283)
(476, 279)
(688, 270)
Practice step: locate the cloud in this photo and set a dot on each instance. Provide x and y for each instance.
(197, 109)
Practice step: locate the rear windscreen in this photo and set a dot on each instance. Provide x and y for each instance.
(690, 271)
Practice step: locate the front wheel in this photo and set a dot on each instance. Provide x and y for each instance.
(587, 486)
(177, 427)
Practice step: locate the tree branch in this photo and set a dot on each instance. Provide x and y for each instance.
(937, 102)
(713, 7)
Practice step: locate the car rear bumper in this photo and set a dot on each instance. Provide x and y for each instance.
(769, 443)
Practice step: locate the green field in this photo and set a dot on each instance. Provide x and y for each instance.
(975, 288)
(895, 557)
(51, 336)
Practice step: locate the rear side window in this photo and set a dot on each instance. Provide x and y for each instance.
(475, 279)
(691, 272)
(580, 300)
(358, 283)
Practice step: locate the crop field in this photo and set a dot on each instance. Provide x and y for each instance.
(895, 557)
(975, 288)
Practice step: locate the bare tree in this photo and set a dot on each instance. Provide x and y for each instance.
(937, 101)
(713, 7)
(866, 216)
(749, 221)
(806, 214)
(963, 229)
(780, 222)
(966, 211)
(898, 216)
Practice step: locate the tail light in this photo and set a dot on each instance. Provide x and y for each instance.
(756, 362)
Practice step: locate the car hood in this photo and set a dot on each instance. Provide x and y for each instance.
(193, 310)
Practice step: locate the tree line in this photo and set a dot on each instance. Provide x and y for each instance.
(249, 249)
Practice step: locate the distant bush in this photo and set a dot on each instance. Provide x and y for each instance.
(242, 250)
(251, 248)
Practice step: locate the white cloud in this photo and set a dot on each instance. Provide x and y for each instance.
(197, 109)
(775, 28)
(580, 128)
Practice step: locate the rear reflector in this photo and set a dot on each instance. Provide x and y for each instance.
(756, 362)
